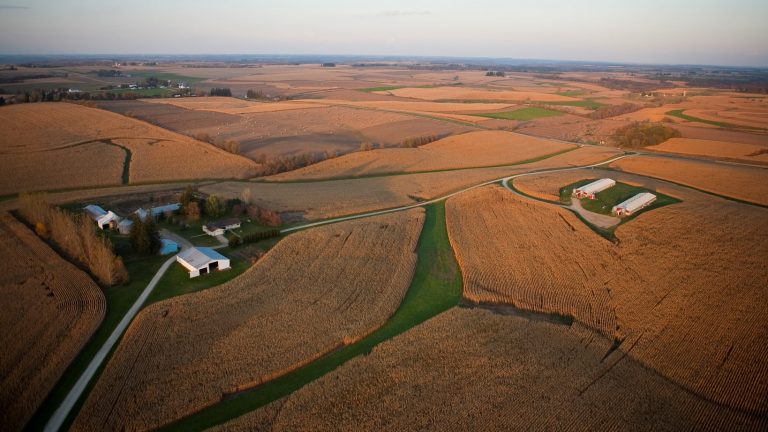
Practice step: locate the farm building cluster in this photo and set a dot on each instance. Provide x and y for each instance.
(109, 220)
(625, 208)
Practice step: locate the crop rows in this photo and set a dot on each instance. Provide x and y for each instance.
(49, 309)
(475, 370)
(744, 183)
(315, 291)
(669, 295)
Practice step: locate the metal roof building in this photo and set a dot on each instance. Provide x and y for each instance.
(589, 190)
(202, 260)
(634, 204)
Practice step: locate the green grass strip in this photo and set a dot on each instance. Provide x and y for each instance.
(679, 114)
(523, 114)
(436, 287)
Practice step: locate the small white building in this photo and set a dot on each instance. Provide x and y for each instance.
(589, 190)
(125, 226)
(104, 219)
(157, 211)
(201, 260)
(634, 204)
(221, 226)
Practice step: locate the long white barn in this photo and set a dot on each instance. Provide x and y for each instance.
(589, 190)
(634, 204)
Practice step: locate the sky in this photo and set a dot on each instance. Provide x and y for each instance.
(732, 32)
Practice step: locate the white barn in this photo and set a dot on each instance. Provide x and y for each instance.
(201, 260)
(589, 190)
(634, 204)
(104, 219)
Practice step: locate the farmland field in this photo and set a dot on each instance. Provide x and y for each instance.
(523, 114)
(666, 294)
(320, 199)
(74, 146)
(314, 292)
(492, 372)
(743, 183)
(473, 149)
(715, 149)
(49, 311)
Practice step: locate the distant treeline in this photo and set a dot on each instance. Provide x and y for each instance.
(607, 111)
(15, 79)
(496, 73)
(221, 92)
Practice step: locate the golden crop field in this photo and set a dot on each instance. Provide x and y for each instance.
(716, 149)
(680, 300)
(230, 105)
(88, 165)
(314, 292)
(320, 199)
(49, 310)
(470, 369)
(472, 149)
(744, 183)
(475, 94)
(69, 144)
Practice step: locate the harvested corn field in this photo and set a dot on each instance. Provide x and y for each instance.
(743, 183)
(88, 165)
(475, 94)
(473, 149)
(320, 199)
(715, 149)
(228, 105)
(670, 296)
(49, 310)
(492, 372)
(65, 141)
(314, 292)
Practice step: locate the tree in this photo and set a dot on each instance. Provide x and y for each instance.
(144, 236)
(213, 206)
(192, 210)
(186, 197)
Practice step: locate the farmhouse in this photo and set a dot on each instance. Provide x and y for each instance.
(104, 219)
(201, 260)
(589, 190)
(220, 226)
(634, 204)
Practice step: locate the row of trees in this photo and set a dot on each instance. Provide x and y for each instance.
(76, 236)
(643, 134)
(235, 240)
(193, 205)
(216, 91)
(230, 145)
(496, 73)
(614, 110)
(418, 141)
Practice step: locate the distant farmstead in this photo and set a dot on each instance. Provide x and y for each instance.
(201, 260)
(634, 204)
(221, 226)
(589, 190)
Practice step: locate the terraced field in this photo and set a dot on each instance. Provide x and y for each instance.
(49, 310)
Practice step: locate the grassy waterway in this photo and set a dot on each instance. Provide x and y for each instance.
(436, 287)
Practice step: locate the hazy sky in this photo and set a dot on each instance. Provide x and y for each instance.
(732, 32)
